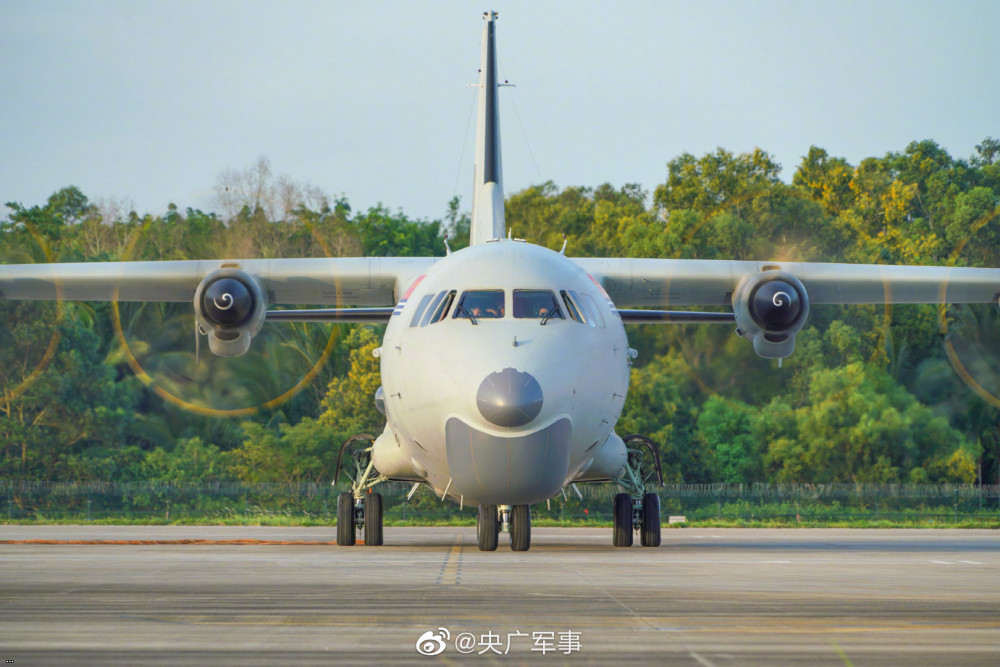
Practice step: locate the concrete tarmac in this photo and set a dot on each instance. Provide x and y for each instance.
(706, 597)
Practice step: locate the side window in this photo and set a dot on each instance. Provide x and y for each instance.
(571, 307)
(592, 306)
(588, 313)
(430, 309)
(442, 309)
(421, 307)
(481, 304)
(529, 303)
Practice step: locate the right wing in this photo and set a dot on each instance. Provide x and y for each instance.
(662, 283)
(770, 300)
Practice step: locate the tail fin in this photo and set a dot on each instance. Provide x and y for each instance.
(487, 194)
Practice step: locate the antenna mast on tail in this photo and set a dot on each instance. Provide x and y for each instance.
(487, 193)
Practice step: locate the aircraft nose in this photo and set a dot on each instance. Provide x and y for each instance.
(509, 398)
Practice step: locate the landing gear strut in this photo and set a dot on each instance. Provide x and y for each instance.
(360, 507)
(638, 509)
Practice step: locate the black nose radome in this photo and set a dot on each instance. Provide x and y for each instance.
(509, 398)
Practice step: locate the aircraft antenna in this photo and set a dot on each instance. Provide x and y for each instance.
(524, 133)
(565, 241)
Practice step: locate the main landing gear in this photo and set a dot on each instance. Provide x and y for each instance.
(360, 507)
(512, 519)
(638, 509)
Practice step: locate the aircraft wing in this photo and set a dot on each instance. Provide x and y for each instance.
(347, 281)
(660, 283)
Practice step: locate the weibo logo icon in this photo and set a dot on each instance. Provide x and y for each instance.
(430, 643)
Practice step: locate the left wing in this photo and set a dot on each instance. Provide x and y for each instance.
(342, 281)
(230, 297)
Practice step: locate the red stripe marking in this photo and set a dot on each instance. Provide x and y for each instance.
(413, 286)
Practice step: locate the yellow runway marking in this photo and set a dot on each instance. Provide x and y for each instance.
(451, 569)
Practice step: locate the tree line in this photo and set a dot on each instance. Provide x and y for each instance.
(902, 394)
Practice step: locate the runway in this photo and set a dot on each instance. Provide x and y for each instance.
(706, 597)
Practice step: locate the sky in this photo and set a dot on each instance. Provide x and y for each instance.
(148, 102)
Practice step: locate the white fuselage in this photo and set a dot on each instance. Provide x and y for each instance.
(432, 374)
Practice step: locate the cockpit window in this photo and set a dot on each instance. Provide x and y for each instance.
(584, 308)
(536, 303)
(480, 304)
(421, 307)
(592, 306)
(442, 310)
(432, 308)
(572, 308)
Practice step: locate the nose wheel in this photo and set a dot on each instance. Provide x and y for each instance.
(520, 527)
(488, 527)
(512, 519)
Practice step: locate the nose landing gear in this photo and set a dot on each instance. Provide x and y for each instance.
(638, 510)
(512, 519)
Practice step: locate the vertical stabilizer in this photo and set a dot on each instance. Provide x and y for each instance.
(487, 194)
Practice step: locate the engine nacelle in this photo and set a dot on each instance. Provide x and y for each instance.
(770, 309)
(230, 307)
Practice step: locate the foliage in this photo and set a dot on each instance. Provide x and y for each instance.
(870, 395)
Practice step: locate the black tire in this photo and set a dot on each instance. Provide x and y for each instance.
(488, 528)
(520, 527)
(650, 535)
(622, 521)
(373, 520)
(345, 520)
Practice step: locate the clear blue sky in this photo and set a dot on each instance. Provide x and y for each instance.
(151, 100)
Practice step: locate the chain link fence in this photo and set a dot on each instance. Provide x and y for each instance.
(224, 502)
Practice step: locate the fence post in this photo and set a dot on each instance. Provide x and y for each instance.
(88, 509)
(876, 503)
(956, 504)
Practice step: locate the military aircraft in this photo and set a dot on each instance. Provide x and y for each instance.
(504, 365)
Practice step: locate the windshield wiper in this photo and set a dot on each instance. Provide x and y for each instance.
(549, 315)
(462, 309)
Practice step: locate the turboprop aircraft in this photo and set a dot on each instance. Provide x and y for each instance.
(504, 365)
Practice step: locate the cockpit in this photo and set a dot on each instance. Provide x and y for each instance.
(490, 304)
